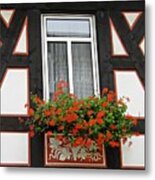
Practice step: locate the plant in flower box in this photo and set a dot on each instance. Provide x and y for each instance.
(78, 128)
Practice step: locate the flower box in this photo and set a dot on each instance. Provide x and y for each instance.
(84, 125)
(60, 154)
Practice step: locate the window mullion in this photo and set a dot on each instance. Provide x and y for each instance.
(45, 64)
(94, 60)
(70, 66)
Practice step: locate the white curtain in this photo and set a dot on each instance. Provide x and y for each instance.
(57, 64)
(82, 69)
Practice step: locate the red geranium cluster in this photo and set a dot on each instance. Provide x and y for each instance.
(82, 122)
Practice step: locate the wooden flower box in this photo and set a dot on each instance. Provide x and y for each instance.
(65, 155)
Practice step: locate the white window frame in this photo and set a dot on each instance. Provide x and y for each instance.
(69, 40)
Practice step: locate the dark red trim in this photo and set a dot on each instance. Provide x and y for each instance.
(27, 40)
(136, 20)
(28, 88)
(63, 164)
(115, 84)
(7, 24)
(121, 159)
(112, 46)
(29, 152)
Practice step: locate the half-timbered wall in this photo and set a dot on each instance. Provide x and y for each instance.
(120, 45)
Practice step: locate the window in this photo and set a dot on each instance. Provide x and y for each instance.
(70, 54)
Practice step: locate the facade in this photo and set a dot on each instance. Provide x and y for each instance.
(101, 45)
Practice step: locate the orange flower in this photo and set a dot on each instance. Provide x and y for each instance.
(104, 104)
(113, 127)
(75, 104)
(114, 144)
(72, 109)
(78, 126)
(71, 117)
(110, 97)
(92, 122)
(58, 111)
(108, 136)
(100, 136)
(49, 133)
(90, 112)
(62, 84)
(100, 139)
(78, 141)
(39, 101)
(88, 142)
(61, 128)
(100, 121)
(100, 114)
(52, 123)
(47, 113)
(85, 124)
(30, 112)
(105, 90)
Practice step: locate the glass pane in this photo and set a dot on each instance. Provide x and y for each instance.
(82, 69)
(68, 28)
(57, 63)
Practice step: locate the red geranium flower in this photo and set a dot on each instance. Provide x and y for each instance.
(108, 136)
(105, 90)
(113, 127)
(47, 113)
(49, 133)
(78, 141)
(88, 142)
(100, 121)
(92, 122)
(61, 128)
(30, 112)
(100, 139)
(39, 101)
(100, 114)
(110, 97)
(71, 117)
(114, 144)
(58, 111)
(52, 123)
(90, 112)
(78, 126)
(104, 104)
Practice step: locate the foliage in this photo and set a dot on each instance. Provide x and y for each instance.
(81, 121)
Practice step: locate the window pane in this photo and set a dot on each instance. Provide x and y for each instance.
(82, 69)
(57, 64)
(68, 28)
